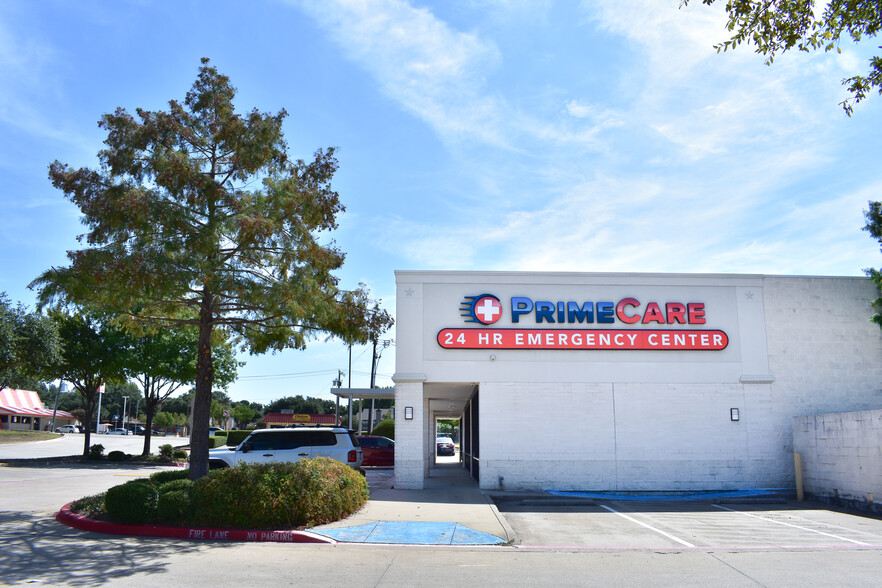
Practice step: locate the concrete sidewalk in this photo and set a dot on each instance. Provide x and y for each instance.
(449, 510)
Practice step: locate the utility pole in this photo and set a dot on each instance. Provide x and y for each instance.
(125, 400)
(62, 387)
(375, 360)
(373, 382)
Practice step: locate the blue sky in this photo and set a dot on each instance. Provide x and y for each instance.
(472, 135)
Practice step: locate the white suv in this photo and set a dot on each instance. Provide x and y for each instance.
(289, 445)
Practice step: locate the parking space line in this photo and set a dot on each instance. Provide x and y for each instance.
(747, 514)
(650, 527)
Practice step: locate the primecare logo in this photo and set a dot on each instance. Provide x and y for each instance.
(675, 319)
(485, 309)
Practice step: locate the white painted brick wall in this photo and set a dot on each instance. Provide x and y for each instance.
(823, 353)
(842, 454)
(641, 421)
(410, 440)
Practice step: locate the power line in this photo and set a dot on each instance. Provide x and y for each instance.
(288, 375)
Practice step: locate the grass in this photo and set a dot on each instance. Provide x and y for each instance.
(22, 436)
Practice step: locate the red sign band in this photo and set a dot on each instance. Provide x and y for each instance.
(651, 339)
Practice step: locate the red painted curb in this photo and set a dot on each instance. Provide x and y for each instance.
(72, 519)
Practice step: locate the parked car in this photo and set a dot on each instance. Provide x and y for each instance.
(136, 429)
(290, 445)
(67, 429)
(377, 450)
(156, 433)
(117, 432)
(445, 446)
(80, 429)
(213, 430)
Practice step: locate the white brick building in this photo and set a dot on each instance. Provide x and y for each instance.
(626, 381)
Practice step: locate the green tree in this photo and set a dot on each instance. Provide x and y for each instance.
(243, 414)
(217, 410)
(164, 419)
(165, 360)
(29, 346)
(300, 405)
(874, 227)
(776, 26)
(113, 408)
(197, 217)
(93, 355)
(179, 404)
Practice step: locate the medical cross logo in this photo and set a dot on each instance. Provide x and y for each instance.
(485, 309)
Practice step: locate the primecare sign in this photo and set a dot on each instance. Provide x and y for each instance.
(656, 326)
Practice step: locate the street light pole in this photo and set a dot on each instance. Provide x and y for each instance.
(125, 399)
(98, 418)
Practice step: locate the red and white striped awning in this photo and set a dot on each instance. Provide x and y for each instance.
(25, 402)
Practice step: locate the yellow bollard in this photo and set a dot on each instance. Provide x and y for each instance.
(797, 466)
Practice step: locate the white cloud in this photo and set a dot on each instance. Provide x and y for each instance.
(440, 75)
(689, 167)
(674, 40)
(434, 72)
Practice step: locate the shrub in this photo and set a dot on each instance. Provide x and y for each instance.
(132, 503)
(385, 428)
(329, 491)
(96, 451)
(179, 455)
(215, 442)
(173, 485)
(175, 503)
(236, 437)
(89, 506)
(160, 478)
(175, 506)
(279, 495)
(220, 433)
(166, 450)
(117, 456)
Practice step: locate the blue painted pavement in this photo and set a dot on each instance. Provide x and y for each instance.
(411, 533)
(664, 497)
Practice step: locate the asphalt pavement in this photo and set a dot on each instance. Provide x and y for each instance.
(567, 540)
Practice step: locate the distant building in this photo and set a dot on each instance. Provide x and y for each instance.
(22, 410)
(281, 419)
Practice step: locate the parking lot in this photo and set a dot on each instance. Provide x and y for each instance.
(694, 525)
(558, 541)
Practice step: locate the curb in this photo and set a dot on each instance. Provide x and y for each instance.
(71, 519)
(510, 535)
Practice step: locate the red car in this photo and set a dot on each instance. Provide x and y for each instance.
(378, 451)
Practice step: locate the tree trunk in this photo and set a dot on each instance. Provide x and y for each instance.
(89, 407)
(149, 408)
(202, 400)
(148, 428)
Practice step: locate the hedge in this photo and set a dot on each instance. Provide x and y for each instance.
(234, 438)
(279, 495)
(385, 428)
